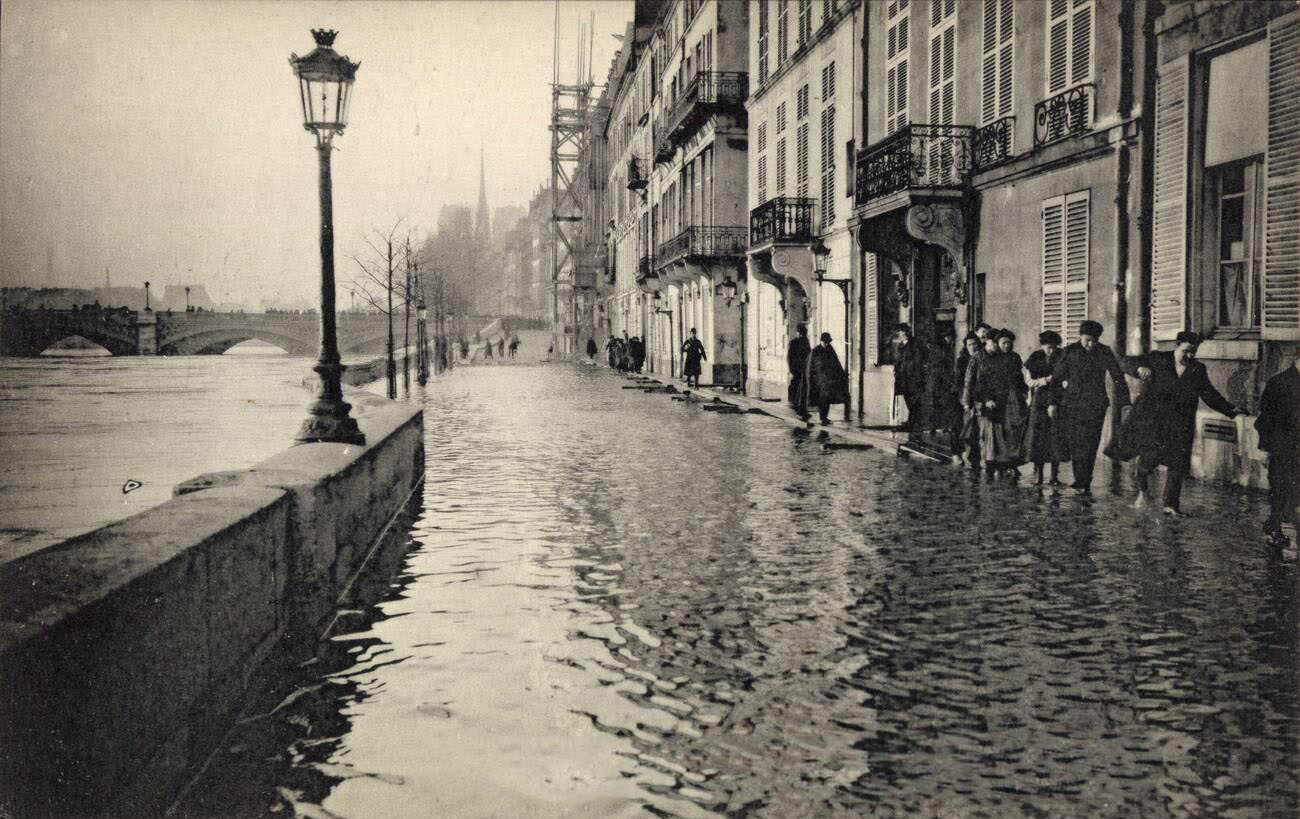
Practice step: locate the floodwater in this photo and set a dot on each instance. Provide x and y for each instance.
(74, 429)
(613, 604)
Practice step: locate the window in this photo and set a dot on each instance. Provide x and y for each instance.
(1235, 196)
(782, 31)
(896, 52)
(1065, 261)
(762, 42)
(943, 62)
(801, 102)
(780, 118)
(805, 22)
(828, 167)
(828, 11)
(1069, 44)
(780, 167)
(998, 60)
(828, 82)
(762, 179)
(801, 159)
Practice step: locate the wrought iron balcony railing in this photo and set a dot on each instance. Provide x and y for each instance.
(783, 219)
(703, 242)
(664, 148)
(917, 156)
(1066, 114)
(993, 142)
(706, 93)
(638, 175)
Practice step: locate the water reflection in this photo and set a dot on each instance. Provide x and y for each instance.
(621, 605)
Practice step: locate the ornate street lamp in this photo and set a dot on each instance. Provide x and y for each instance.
(325, 86)
(147, 309)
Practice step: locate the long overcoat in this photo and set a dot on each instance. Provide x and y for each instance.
(796, 357)
(1162, 425)
(1279, 415)
(827, 381)
(1043, 442)
(1080, 376)
(997, 377)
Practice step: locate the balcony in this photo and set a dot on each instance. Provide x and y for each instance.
(645, 269)
(1066, 114)
(784, 219)
(706, 94)
(993, 143)
(638, 175)
(664, 148)
(699, 243)
(917, 156)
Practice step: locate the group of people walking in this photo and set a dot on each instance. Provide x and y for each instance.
(624, 354)
(817, 378)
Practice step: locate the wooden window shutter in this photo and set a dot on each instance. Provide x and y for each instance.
(1058, 46)
(1281, 303)
(780, 167)
(1076, 260)
(801, 159)
(1054, 264)
(871, 273)
(1169, 217)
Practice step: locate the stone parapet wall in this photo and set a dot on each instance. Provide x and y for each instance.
(126, 651)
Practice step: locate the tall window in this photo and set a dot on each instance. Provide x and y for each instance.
(1065, 261)
(801, 102)
(805, 21)
(762, 41)
(1069, 44)
(943, 61)
(896, 52)
(780, 167)
(782, 31)
(801, 158)
(828, 82)
(762, 162)
(828, 166)
(998, 60)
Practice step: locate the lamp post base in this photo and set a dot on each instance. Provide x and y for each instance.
(328, 421)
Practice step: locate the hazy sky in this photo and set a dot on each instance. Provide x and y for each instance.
(156, 137)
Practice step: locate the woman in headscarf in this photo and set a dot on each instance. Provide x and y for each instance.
(1043, 444)
(967, 442)
(996, 388)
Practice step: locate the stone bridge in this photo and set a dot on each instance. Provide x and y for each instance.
(131, 332)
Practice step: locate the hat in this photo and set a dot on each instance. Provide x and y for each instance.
(826, 337)
(1090, 328)
(1049, 337)
(1005, 333)
(1188, 337)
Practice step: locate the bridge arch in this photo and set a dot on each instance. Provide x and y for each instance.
(38, 338)
(217, 340)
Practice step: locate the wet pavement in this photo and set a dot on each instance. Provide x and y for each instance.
(615, 604)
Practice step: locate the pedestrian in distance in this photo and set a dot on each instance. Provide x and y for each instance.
(995, 389)
(1162, 424)
(827, 382)
(592, 349)
(636, 349)
(968, 434)
(910, 361)
(1278, 426)
(947, 389)
(501, 347)
(611, 352)
(1043, 441)
(692, 354)
(796, 357)
(1081, 402)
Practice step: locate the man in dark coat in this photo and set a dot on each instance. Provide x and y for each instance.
(1162, 425)
(796, 357)
(591, 349)
(1279, 435)
(1080, 376)
(909, 378)
(692, 354)
(827, 381)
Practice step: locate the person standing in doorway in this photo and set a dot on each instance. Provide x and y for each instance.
(1279, 435)
(796, 358)
(910, 378)
(1080, 376)
(692, 355)
(827, 381)
(1042, 440)
(1162, 426)
(592, 349)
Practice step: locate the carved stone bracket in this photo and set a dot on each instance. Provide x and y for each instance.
(943, 224)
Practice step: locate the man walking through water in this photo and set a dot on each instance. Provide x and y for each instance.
(796, 358)
(828, 383)
(693, 353)
(1080, 376)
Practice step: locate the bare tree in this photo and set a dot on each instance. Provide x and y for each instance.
(377, 287)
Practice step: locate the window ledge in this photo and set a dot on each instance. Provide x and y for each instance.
(1238, 349)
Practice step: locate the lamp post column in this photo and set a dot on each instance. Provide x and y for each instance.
(328, 420)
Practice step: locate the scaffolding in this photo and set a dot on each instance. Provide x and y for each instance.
(569, 119)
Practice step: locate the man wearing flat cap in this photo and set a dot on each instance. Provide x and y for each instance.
(1080, 398)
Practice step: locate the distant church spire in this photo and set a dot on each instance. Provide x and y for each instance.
(482, 225)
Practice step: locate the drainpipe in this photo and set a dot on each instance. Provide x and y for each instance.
(858, 259)
(1152, 10)
(1123, 163)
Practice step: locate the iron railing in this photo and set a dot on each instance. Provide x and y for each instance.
(638, 175)
(707, 91)
(917, 156)
(1066, 114)
(664, 148)
(785, 218)
(711, 242)
(993, 142)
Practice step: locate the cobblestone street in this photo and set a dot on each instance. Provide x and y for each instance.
(616, 604)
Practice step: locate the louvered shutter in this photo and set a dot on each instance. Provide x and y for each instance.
(1076, 260)
(762, 179)
(1053, 302)
(780, 167)
(1169, 222)
(828, 166)
(801, 159)
(989, 64)
(1058, 46)
(1281, 285)
(872, 276)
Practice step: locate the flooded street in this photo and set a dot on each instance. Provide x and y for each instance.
(614, 604)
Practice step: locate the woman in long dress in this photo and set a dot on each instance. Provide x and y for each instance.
(1043, 445)
(996, 388)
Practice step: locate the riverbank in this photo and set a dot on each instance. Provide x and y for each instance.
(124, 652)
